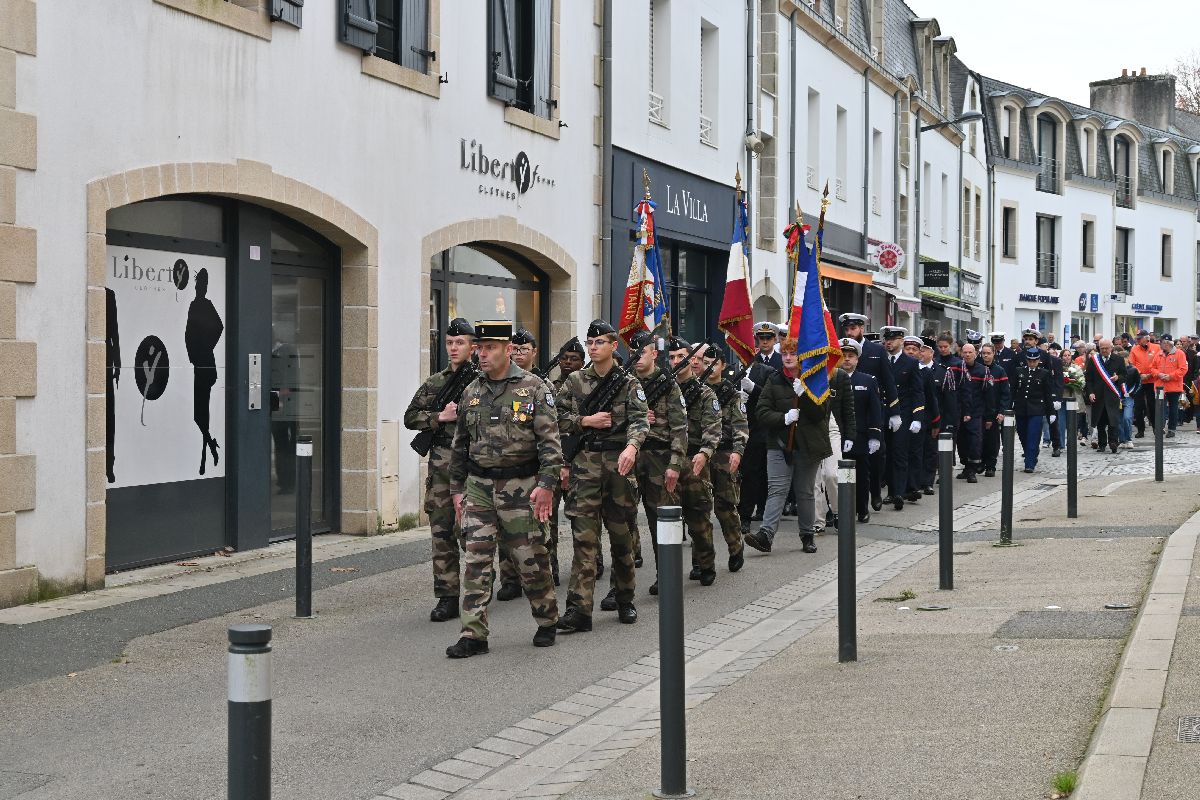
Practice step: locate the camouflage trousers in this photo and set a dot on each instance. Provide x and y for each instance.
(446, 538)
(599, 495)
(696, 498)
(508, 564)
(651, 477)
(495, 511)
(727, 493)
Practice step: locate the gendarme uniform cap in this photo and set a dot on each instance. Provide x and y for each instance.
(523, 336)
(599, 328)
(852, 319)
(494, 330)
(459, 327)
(893, 332)
(974, 337)
(873, 336)
(640, 340)
(1033, 353)
(913, 340)
(765, 327)
(928, 342)
(997, 336)
(851, 344)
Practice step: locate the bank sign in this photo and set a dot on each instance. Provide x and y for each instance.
(506, 178)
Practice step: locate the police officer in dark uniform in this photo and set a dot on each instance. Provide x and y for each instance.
(874, 362)
(945, 392)
(868, 420)
(910, 404)
(1006, 357)
(1054, 382)
(766, 362)
(929, 419)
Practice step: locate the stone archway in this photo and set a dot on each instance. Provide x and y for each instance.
(358, 240)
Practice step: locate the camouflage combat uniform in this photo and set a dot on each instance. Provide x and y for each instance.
(665, 448)
(695, 491)
(597, 491)
(505, 444)
(727, 485)
(446, 540)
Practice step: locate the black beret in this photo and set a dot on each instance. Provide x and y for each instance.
(678, 343)
(523, 336)
(599, 328)
(640, 340)
(460, 327)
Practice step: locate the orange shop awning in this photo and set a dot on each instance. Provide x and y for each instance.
(843, 274)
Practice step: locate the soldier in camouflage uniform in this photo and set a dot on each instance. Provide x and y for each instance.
(420, 416)
(663, 456)
(726, 475)
(602, 485)
(695, 486)
(571, 361)
(504, 464)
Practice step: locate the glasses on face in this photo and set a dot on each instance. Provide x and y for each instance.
(522, 348)
(597, 342)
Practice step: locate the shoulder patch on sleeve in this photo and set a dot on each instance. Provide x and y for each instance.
(716, 405)
(550, 399)
(743, 408)
(641, 394)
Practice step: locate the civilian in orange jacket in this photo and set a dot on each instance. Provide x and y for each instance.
(1141, 356)
(1168, 368)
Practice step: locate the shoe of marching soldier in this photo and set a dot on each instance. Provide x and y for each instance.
(694, 575)
(876, 504)
(971, 477)
(654, 589)
(609, 603)
(806, 539)
(1139, 435)
(962, 476)
(545, 636)
(759, 541)
(927, 491)
(738, 559)
(509, 591)
(1055, 453)
(446, 609)
(1114, 449)
(913, 496)
(574, 621)
(626, 613)
(599, 565)
(466, 647)
(898, 503)
(989, 473)
(1029, 469)
(865, 516)
(708, 577)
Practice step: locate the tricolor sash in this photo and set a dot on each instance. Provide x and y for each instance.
(1117, 389)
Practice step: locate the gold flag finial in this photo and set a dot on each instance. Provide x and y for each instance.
(645, 183)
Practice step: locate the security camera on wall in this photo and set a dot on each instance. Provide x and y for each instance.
(754, 143)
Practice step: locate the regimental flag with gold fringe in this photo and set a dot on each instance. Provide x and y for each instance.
(645, 304)
(810, 322)
(735, 318)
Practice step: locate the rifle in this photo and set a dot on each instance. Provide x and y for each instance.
(542, 373)
(667, 377)
(692, 390)
(450, 392)
(600, 399)
(727, 387)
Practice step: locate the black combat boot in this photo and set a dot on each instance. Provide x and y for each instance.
(626, 613)
(708, 577)
(545, 636)
(509, 591)
(971, 476)
(574, 621)
(807, 540)
(759, 541)
(694, 575)
(467, 647)
(609, 603)
(737, 560)
(446, 609)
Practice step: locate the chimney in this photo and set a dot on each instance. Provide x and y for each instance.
(1137, 96)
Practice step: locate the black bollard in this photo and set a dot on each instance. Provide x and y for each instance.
(1072, 407)
(304, 451)
(946, 510)
(249, 744)
(1008, 438)
(1160, 425)
(670, 654)
(847, 578)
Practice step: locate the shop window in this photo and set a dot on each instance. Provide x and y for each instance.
(519, 52)
(180, 219)
(403, 36)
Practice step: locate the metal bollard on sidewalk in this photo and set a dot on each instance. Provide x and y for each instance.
(1072, 407)
(1160, 425)
(249, 743)
(847, 568)
(304, 451)
(670, 654)
(946, 510)
(1008, 439)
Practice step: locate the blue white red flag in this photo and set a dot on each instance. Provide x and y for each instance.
(810, 322)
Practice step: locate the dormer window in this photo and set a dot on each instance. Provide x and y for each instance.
(1123, 163)
(1009, 132)
(1167, 170)
(1087, 150)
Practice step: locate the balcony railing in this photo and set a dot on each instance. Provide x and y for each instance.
(706, 131)
(1047, 179)
(1123, 277)
(657, 109)
(1047, 270)
(1125, 191)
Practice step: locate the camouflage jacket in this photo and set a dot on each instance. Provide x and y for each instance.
(735, 430)
(629, 422)
(669, 429)
(506, 423)
(704, 419)
(421, 414)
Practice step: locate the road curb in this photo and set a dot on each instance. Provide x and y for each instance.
(1115, 765)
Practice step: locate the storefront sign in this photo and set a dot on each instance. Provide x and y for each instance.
(686, 203)
(935, 274)
(1142, 308)
(1038, 298)
(165, 350)
(888, 257)
(1095, 303)
(970, 290)
(507, 179)
(1083, 299)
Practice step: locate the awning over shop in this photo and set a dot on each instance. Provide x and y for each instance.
(904, 302)
(837, 273)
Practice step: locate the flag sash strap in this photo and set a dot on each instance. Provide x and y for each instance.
(1108, 381)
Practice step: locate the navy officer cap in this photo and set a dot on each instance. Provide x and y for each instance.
(852, 319)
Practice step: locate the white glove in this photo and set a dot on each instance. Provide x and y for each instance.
(915, 427)
(894, 423)
(1057, 406)
(847, 445)
(748, 385)
(1053, 417)
(872, 446)
(798, 387)
(791, 416)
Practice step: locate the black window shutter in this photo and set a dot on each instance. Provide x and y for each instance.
(542, 34)
(289, 11)
(502, 68)
(357, 26)
(414, 27)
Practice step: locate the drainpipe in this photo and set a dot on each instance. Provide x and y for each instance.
(896, 174)
(791, 201)
(958, 245)
(868, 294)
(918, 178)
(750, 131)
(606, 202)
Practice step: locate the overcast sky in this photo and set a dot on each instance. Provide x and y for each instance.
(1058, 46)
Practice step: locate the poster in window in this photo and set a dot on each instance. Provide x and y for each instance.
(165, 366)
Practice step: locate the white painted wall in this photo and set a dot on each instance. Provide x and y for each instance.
(120, 85)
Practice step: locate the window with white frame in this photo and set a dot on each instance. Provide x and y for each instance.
(945, 205)
(658, 49)
(1008, 131)
(978, 225)
(966, 220)
(926, 191)
(1008, 232)
(1087, 245)
(709, 82)
(1166, 255)
(1167, 170)
(842, 147)
(814, 138)
(973, 127)
(876, 172)
(1087, 150)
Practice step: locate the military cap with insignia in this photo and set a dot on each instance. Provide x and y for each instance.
(523, 336)
(850, 344)
(459, 327)
(974, 337)
(600, 328)
(928, 342)
(765, 328)
(1033, 353)
(1030, 332)
(997, 336)
(494, 330)
(893, 332)
(873, 336)
(852, 319)
(574, 346)
(640, 339)
(913, 340)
